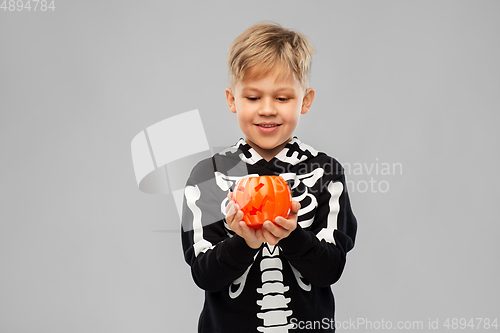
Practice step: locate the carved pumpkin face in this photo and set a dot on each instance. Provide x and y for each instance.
(262, 198)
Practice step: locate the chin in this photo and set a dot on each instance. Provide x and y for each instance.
(271, 147)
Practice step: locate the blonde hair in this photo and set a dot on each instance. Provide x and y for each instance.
(265, 47)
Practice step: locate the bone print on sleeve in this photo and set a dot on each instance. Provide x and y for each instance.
(318, 248)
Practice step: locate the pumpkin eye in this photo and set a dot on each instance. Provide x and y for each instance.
(258, 187)
(241, 189)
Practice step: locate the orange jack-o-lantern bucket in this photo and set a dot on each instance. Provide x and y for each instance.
(262, 198)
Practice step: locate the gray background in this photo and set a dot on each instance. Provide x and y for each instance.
(409, 82)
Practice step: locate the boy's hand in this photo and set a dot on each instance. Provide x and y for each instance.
(234, 216)
(273, 233)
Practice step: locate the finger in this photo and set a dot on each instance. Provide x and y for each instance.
(235, 226)
(235, 223)
(233, 216)
(286, 224)
(247, 232)
(238, 216)
(244, 228)
(295, 208)
(226, 211)
(280, 221)
(238, 213)
(232, 225)
(275, 230)
(269, 237)
(259, 235)
(230, 210)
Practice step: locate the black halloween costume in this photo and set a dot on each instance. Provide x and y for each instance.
(274, 288)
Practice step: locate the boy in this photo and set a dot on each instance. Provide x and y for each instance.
(277, 278)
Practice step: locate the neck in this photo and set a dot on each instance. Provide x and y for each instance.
(268, 154)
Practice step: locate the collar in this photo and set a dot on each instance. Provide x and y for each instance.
(294, 152)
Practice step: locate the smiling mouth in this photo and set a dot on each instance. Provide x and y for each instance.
(267, 126)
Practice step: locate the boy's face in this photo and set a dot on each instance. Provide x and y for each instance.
(271, 101)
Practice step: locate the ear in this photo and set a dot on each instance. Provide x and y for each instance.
(230, 100)
(307, 100)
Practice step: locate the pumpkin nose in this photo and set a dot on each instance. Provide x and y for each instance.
(254, 209)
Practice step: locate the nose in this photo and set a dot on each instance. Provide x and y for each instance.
(267, 107)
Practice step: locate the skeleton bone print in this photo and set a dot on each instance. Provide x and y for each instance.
(273, 305)
(265, 289)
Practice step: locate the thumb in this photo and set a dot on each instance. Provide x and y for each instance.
(295, 207)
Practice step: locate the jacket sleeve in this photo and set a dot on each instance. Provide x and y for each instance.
(319, 251)
(216, 255)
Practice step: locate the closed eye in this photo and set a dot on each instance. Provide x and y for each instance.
(282, 99)
(252, 98)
